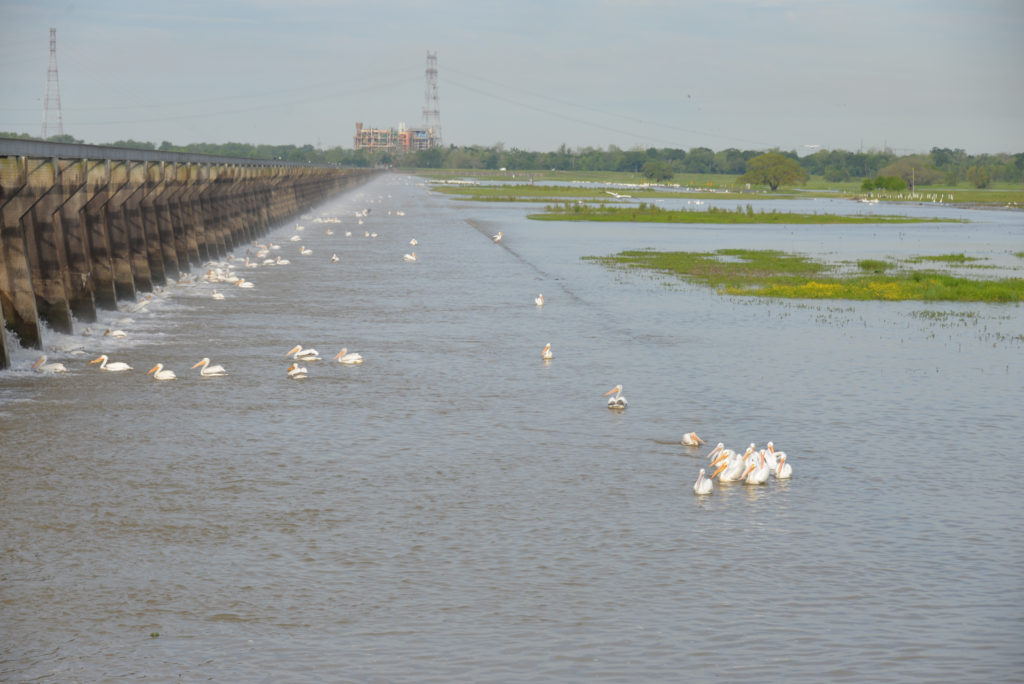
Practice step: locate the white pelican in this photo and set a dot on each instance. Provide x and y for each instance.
(209, 371)
(281, 262)
(731, 468)
(217, 295)
(305, 251)
(784, 471)
(294, 238)
(756, 472)
(347, 357)
(410, 257)
(115, 366)
(115, 333)
(329, 232)
(245, 284)
(703, 485)
(539, 299)
(41, 366)
(334, 258)
(497, 238)
(298, 227)
(691, 439)
(301, 354)
(547, 354)
(296, 372)
(414, 242)
(618, 401)
(160, 374)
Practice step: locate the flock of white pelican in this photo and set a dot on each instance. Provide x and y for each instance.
(298, 353)
(753, 467)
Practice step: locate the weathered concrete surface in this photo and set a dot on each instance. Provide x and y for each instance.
(79, 233)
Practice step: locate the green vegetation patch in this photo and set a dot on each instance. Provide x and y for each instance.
(647, 213)
(943, 258)
(770, 273)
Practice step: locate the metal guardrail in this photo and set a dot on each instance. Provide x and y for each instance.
(38, 149)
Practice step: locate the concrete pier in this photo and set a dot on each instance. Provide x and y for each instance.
(82, 227)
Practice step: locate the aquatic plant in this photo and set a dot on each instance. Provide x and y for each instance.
(771, 273)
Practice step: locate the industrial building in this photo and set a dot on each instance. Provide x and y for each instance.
(401, 139)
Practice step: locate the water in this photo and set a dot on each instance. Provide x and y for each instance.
(456, 509)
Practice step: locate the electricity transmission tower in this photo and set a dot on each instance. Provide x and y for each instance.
(431, 106)
(51, 105)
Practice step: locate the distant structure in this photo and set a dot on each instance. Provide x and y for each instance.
(51, 105)
(407, 139)
(432, 106)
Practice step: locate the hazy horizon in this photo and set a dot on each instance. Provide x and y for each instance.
(798, 75)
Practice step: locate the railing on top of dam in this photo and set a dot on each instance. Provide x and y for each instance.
(16, 147)
(84, 226)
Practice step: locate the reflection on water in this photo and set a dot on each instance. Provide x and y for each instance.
(457, 508)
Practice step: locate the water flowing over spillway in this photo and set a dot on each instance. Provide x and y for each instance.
(457, 508)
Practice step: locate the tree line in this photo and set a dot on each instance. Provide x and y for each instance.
(940, 166)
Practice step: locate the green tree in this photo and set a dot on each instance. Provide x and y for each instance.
(914, 169)
(657, 171)
(979, 176)
(773, 169)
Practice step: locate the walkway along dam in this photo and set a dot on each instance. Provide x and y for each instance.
(82, 226)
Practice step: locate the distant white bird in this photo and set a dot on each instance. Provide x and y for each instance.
(160, 374)
(783, 471)
(691, 439)
(497, 238)
(114, 366)
(244, 284)
(329, 232)
(301, 354)
(41, 366)
(294, 238)
(296, 372)
(410, 257)
(209, 371)
(305, 251)
(348, 233)
(414, 242)
(539, 300)
(334, 258)
(348, 358)
(115, 333)
(217, 295)
(703, 485)
(547, 354)
(618, 401)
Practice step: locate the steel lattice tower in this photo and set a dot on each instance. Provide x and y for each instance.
(52, 101)
(432, 106)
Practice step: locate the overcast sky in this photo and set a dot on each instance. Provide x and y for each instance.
(532, 74)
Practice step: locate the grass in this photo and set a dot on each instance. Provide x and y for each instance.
(770, 273)
(998, 194)
(645, 213)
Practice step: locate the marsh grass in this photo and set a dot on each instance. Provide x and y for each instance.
(874, 265)
(647, 213)
(771, 273)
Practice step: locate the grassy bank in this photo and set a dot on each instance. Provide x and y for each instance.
(645, 213)
(769, 273)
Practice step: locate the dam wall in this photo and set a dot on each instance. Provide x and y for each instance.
(83, 227)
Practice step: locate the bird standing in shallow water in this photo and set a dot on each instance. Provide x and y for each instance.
(547, 354)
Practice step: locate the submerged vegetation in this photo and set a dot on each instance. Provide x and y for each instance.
(649, 213)
(770, 273)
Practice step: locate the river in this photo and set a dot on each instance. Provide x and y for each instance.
(458, 509)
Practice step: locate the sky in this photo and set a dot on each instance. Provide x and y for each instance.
(801, 75)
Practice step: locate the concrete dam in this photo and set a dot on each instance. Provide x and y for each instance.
(83, 227)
